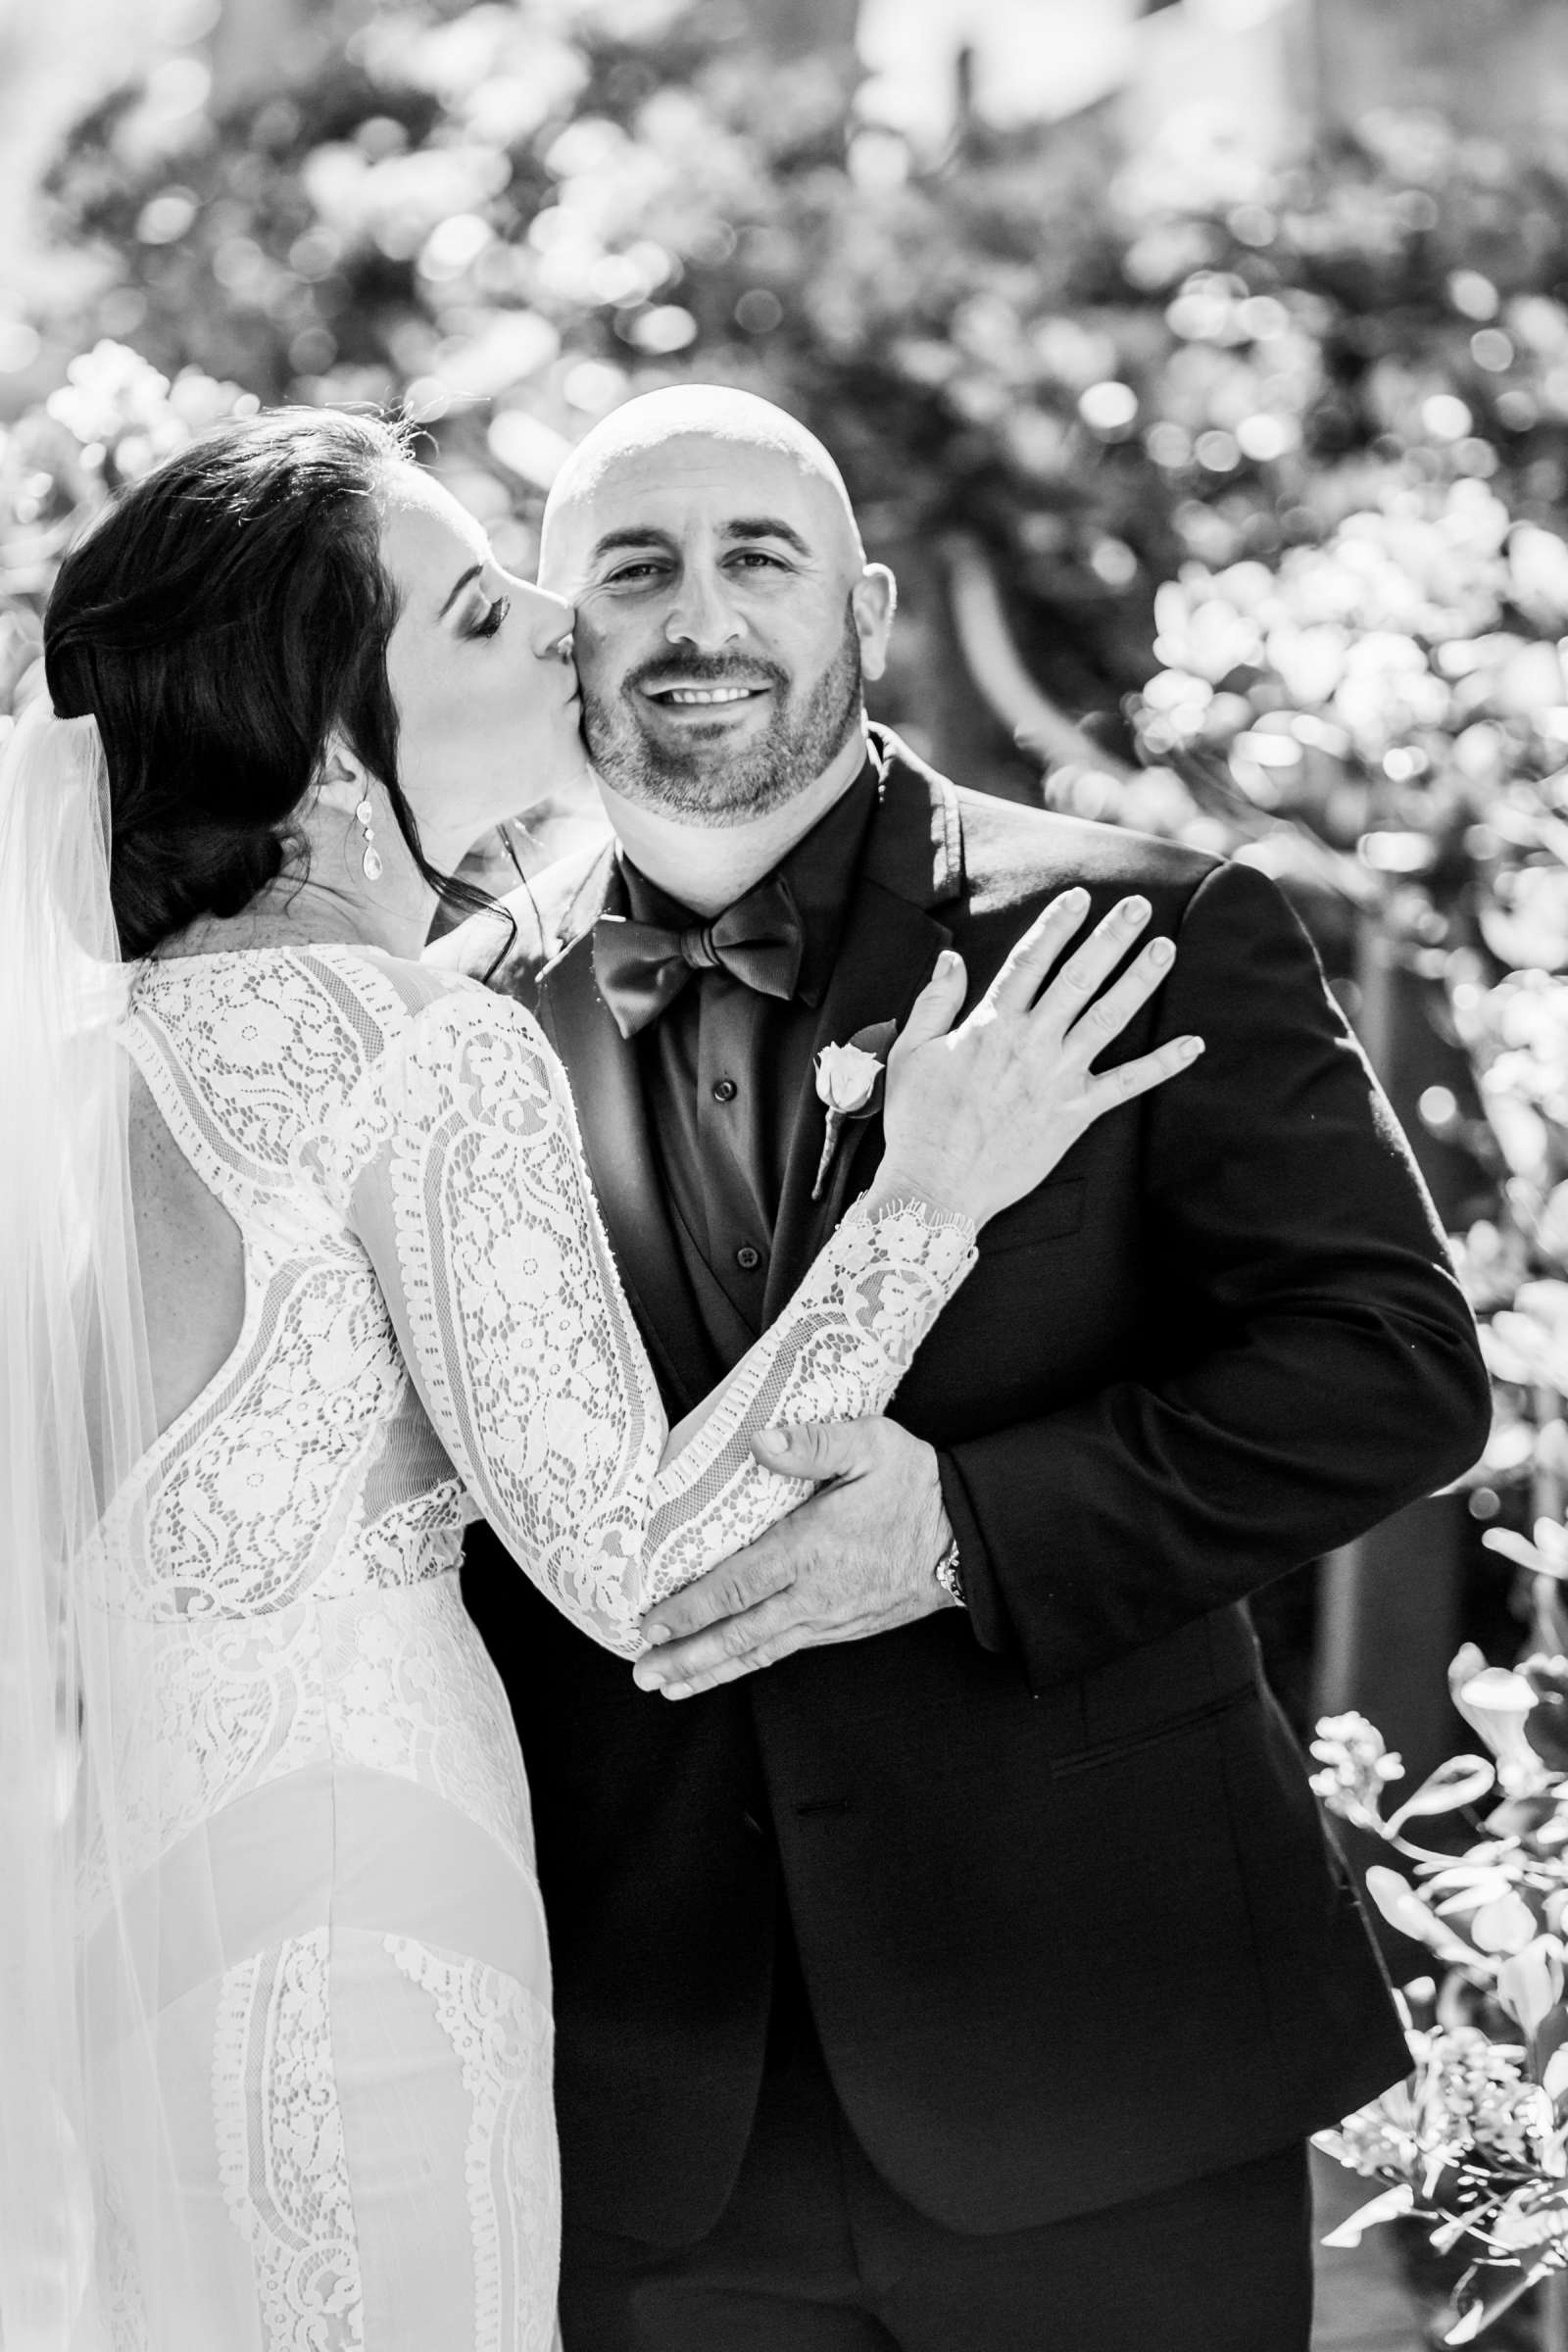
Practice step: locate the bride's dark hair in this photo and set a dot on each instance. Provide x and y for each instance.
(221, 617)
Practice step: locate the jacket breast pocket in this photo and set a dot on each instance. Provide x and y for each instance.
(1050, 1213)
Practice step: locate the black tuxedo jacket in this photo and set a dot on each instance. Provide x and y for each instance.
(1069, 1926)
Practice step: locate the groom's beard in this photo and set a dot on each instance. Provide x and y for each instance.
(707, 783)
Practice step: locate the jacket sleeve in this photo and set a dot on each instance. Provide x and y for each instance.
(1313, 1364)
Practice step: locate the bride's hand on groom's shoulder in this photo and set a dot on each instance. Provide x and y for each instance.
(978, 1113)
(859, 1557)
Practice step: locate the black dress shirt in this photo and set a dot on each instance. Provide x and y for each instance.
(725, 1070)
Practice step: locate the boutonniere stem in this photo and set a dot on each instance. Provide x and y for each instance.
(850, 1080)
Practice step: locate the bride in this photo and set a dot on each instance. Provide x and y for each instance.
(299, 1274)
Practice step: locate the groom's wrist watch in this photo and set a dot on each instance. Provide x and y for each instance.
(948, 1576)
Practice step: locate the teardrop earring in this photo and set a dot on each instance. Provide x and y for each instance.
(373, 855)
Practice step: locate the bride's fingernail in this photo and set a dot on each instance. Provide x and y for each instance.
(1161, 951)
(1191, 1048)
(653, 1635)
(1135, 911)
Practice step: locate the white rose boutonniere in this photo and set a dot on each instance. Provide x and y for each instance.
(849, 1081)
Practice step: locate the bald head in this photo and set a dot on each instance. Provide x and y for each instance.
(725, 613)
(682, 432)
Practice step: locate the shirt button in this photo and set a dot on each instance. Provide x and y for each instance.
(747, 1258)
(726, 1089)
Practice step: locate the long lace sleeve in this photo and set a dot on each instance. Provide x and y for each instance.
(457, 1162)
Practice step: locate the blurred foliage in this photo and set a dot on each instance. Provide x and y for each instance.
(1268, 465)
(512, 217)
(1472, 2146)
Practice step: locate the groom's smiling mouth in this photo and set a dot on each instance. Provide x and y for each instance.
(688, 701)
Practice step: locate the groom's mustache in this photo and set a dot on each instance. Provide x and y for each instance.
(729, 669)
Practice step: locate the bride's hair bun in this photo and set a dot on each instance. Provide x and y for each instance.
(222, 616)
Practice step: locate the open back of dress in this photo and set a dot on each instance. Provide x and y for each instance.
(320, 1841)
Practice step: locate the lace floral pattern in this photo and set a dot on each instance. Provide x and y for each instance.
(281, 2161)
(216, 1708)
(433, 1326)
(393, 1681)
(260, 1490)
(411, 1691)
(457, 1160)
(500, 2036)
(853, 1327)
(430, 1290)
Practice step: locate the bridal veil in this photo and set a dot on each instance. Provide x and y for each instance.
(82, 1943)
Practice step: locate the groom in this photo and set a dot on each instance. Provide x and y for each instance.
(960, 1965)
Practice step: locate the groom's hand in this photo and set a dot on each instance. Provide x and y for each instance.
(857, 1558)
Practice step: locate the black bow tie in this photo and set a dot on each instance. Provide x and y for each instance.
(642, 968)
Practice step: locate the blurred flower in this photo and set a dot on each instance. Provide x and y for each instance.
(1495, 1702)
(1529, 1981)
(1358, 1768)
(1480, 2084)
(1547, 1724)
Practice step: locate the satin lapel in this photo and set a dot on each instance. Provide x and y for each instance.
(607, 1089)
(888, 949)
(910, 876)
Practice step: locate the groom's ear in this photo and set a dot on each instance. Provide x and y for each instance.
(873, 600)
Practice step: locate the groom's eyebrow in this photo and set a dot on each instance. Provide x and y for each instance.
(766, 527)
(743, 527)
(631, 535)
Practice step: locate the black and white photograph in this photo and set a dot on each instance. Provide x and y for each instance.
(783, 1175)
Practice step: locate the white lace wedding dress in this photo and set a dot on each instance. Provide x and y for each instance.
(322, 1785)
